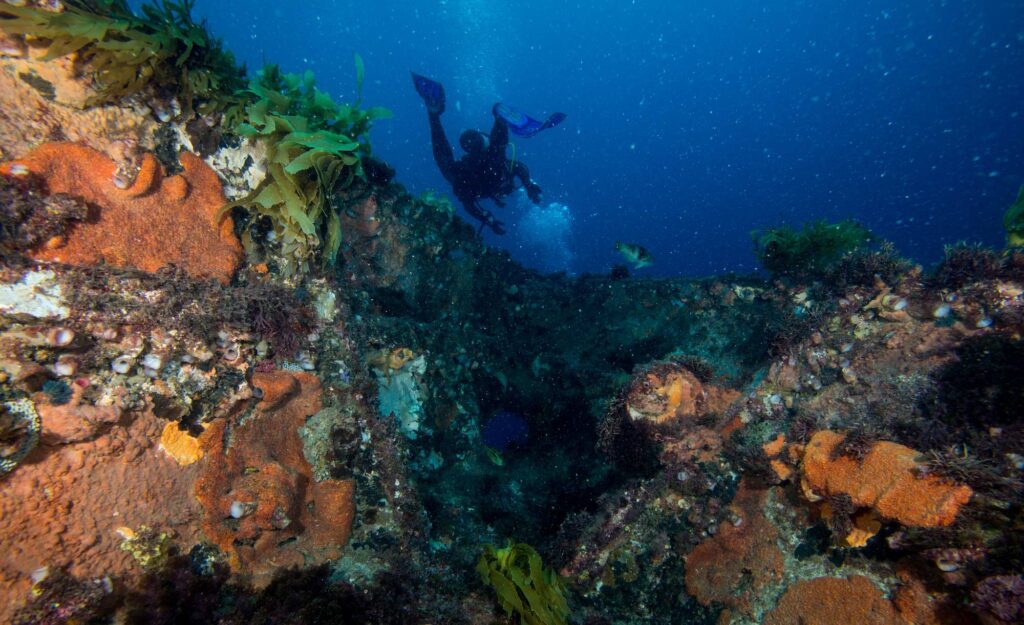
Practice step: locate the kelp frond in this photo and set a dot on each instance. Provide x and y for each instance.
(524, 585)
(812, 250)
(127, 53)
(314, 147)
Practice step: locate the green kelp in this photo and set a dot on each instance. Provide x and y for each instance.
(162, 48)
(314, 148)
(1013, 221)
(524, 585)
(811, 251)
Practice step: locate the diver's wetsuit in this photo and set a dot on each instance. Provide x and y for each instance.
(481, 174)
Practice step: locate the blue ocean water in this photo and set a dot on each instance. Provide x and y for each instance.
(692, 123)
(505, 429)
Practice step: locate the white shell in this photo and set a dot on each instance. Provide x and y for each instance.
(60, 337)
(232, 352)
(240, 509)
(122, 364)
(66, 367)
(153, 361)
(946, 566)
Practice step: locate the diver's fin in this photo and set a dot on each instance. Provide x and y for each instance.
(522, 124)
(431, 91)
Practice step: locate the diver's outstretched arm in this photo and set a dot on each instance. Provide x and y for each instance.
(485, 217)
(519, 170)
(473, 209)
(443, 154)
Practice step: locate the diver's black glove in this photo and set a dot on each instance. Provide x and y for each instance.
(497, 226)
(533, 191)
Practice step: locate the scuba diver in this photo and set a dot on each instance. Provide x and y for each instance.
(482, 172)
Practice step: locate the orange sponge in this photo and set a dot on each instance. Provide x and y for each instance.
(154, 222)
(887, 480)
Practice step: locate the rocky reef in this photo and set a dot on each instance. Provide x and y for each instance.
(246, 377)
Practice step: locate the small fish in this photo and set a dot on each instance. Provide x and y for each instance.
(494, 456)
(635, 254)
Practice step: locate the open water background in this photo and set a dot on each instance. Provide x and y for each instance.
(692, 123)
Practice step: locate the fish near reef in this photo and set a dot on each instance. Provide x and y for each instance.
(635, 254)
(494, 456)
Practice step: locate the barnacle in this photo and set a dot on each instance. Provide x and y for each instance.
(524, 585)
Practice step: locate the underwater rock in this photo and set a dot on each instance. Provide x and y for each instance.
(667, 410)
(241, 168)
(63, 508)
(1000, 599)
(488, 336)
(360, 219)
(30, 218)
(44, 100)
(740, 560)
(152, 223)
(37, 295)
(832, 600)
(263, 507)
(277, 387)
(669, 393)
(887, 480)
(323, 437)
(59, 599)
(76, 420)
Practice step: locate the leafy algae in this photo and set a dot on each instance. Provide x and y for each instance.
(128, 53)
(524, 585)
(314, 148)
